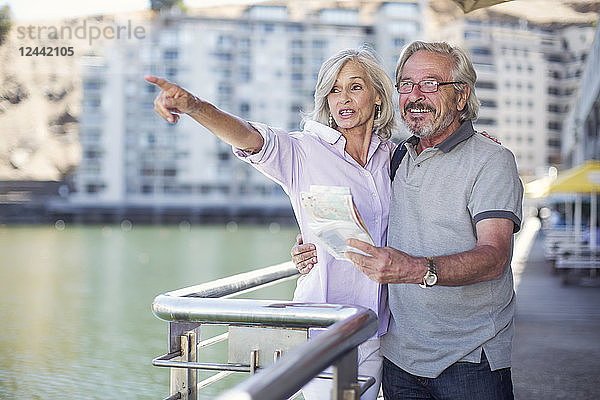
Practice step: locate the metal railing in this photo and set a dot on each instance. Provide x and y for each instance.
(266, 338)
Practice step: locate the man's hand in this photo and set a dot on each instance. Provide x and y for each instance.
(172, 100)
(386, 264)
(304, 255)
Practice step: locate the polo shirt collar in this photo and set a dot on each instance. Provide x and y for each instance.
(464, 131)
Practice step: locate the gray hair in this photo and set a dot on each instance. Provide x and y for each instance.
(462, 71)
(381, 81)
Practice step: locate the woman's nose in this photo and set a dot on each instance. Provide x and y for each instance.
(344, 97)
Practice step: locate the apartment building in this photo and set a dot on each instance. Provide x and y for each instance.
(527, 77)
(581, 129)
(261, 66)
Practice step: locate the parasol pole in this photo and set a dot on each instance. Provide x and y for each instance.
(578, 213)
(569, 212)
(593, 222)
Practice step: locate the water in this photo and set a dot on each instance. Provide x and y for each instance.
(76, 317)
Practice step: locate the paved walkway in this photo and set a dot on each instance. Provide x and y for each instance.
(556, 350)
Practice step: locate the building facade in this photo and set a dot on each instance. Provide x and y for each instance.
(261, 66)
(527, 77)
(581, 129)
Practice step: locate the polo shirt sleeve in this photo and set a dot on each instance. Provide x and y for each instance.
(276, 158)
(498, 191)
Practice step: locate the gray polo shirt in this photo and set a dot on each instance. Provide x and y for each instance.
(437, 198)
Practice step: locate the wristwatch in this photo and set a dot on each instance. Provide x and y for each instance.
(430, 277)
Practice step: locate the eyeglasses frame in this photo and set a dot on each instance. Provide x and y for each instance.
(425, 80)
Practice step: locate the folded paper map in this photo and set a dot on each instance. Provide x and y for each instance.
(334, 219)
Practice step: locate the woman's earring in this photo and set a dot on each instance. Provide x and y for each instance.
(377, 111)
(331, 121)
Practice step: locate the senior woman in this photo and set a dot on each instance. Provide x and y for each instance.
(344, 142)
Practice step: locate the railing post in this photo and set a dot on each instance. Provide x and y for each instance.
(186, 309)
(183, 339)
(345, 372)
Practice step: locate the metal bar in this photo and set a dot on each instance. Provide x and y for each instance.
(213, 340)
(174, 396)
(298, 367)
(212, 379)
(263, 286)
(167, 356)
(366, 383)
(250, 312)
(237, 283)
(345, 372)
(163, 361)
(187, 308)
(206, 366)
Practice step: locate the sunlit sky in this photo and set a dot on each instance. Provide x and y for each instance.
(31, 10)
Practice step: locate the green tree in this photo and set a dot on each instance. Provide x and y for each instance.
(158, 5)
(5, 22)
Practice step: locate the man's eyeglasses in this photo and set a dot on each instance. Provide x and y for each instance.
(425, 86)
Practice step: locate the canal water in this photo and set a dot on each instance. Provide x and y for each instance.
(76, 316)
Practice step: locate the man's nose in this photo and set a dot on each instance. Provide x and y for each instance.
(415, 94)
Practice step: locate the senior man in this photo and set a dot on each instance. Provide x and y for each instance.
(456, 203)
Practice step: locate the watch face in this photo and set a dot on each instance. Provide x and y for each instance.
(431, 279)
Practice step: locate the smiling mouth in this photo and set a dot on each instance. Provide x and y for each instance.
(416, 108)
(346, 113)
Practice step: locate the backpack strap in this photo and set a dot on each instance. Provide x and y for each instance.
(397, 157)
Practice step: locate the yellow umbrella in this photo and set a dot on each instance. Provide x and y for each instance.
(582, 179)
(470, 5)
(539, 188)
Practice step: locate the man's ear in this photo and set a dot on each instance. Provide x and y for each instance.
(462, 98)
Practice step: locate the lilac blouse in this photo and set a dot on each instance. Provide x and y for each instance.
(316, 156)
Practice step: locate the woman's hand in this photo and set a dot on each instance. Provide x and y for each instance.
(304, 255)
(172, 100)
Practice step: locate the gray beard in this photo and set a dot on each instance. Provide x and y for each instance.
(428, 131)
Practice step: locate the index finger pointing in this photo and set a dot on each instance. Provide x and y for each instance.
(155, 80)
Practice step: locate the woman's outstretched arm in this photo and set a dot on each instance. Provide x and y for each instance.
(173, 100)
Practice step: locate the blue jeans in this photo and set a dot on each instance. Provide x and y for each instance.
(460, 381)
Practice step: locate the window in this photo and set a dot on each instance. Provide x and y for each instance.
(554, 126)
(94, 85)
(94, 187)
(147, 189)
(319, 44)
(485, 85)
(486, 121)
(295, 28)
(297, 60)
(481, 51)
(170, 54)
(245, 109)
(398, 42)
(488, 103)
(553, 108)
